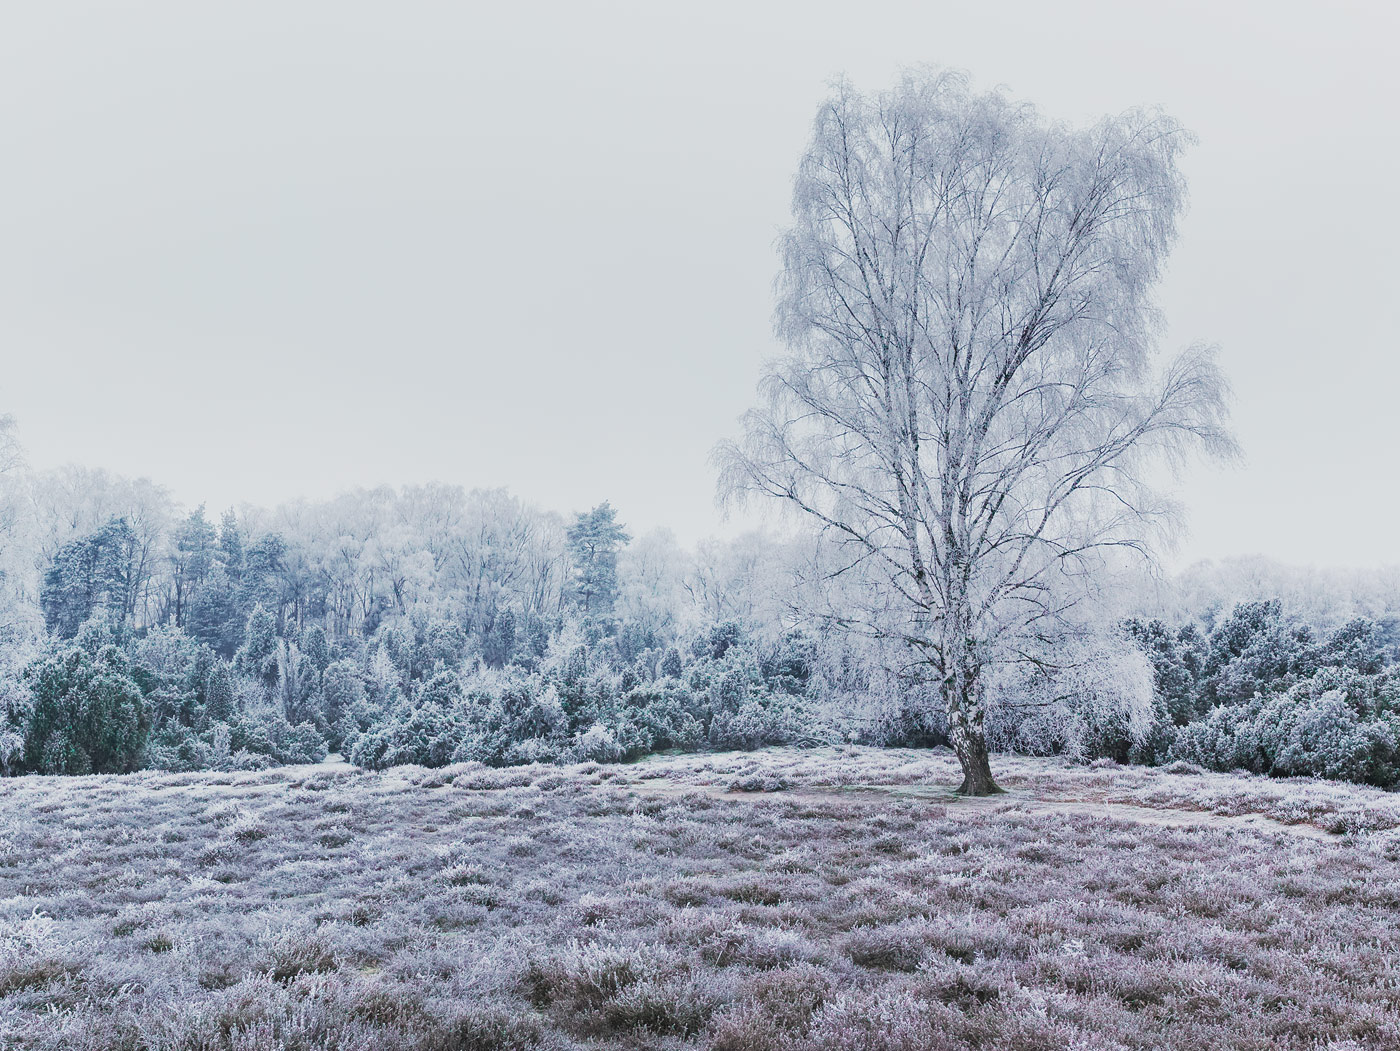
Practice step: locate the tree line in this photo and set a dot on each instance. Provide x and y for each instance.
(162, 639)
(538, 637)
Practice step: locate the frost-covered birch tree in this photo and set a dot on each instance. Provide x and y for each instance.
(970, 405)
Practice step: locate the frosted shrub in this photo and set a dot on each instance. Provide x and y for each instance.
(766, 948)
(669, 714)
(247, 828)
(428, 735)
(27, 937)
(889, 1023)
(588, 975)
(513, 720)
(272, 735)
(296, 950)
(1226, 740)
(679, 1006)
(458, 852)
(334, 835)
(1327, 734)
(136, 917)
(223, 812)
(894, 948)
(532, 750)
(597, 745)
(464, 875)
(1092, 697)
(1327, 739)
(11, 749)
(177, 748)
(756, 725)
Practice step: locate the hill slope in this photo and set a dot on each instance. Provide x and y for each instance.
(844, 900)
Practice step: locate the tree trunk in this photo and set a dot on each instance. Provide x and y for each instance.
(977, 779)
(966, 732)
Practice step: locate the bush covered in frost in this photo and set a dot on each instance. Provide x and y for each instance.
(1263, 692)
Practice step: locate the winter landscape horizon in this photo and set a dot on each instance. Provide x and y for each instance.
(698, 528)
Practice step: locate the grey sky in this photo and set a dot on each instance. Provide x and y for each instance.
(258, 250)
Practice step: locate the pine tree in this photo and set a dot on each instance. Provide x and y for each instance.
(258, 655)
(342, 697)
(206, 567)
(264, 562)
(231, 546)
(594, 541)
(219, 704)
(671, 664)
(498, 646)
(212, 613)
(191, 562)
(92, 576)
(306, 702)
(316, 647)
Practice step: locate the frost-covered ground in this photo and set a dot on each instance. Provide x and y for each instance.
(777, 900)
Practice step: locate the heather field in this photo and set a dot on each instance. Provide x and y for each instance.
(831, 899)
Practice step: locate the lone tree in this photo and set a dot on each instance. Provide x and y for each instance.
(968, 405)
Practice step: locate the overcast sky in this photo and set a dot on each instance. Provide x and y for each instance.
(260, 250)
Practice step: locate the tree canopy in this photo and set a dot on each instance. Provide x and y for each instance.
(968, 404)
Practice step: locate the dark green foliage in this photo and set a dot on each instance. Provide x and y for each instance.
(757, 723)
(1262, 694)
(178, 748)
(443, 645)
(344, 701)
(302, 692)
(670, 714)
(263, 581)
(191, 562)
(498, 645)
(670, 664)
(1176, 680)
(633, 640)
(170, 668)
(1332, 726)
(787, 666)
(88, 715)
(1258, 692)
(205, 569)
(270, 734)
(257, 658)
(595, 538)
(231, 545)
(515, 721)
(443, 689)
(411, 696)
(316, 647)
(213, 615)
(1358, 644)
(241, 670)
(219, 704)
(93, 576)
(427, 732)
(1255, 650)
(398, 641)
(715, 643)
(532, 635)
